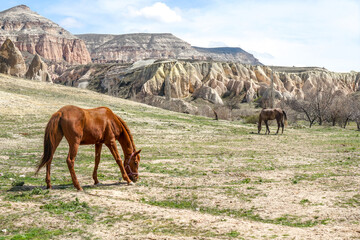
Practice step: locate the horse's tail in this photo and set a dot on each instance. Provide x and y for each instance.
(285, 118)
(52, 138)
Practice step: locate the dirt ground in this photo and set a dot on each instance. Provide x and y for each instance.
(199, 178)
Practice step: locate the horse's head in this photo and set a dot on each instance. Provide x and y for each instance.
(259, 127)
(132, 165)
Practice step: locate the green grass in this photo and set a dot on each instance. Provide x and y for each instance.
(80, 210)
(34, 195)
(353, 202)
(35, 233)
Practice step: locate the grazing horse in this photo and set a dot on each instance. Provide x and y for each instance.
(90, 126)
(271, 114)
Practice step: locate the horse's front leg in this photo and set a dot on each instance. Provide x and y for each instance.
(98, 147)
(259, 127)
(113, 149)
(73, 148)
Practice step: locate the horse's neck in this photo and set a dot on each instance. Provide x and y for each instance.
(126, 143)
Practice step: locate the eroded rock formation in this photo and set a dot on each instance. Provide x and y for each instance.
(35, 34)
(38, 70)
(212, 81)
(11, 60)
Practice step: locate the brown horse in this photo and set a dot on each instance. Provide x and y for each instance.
(271, 114)
(90, 126)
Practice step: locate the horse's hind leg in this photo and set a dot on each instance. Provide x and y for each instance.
(47, 178)
(278, 123)
(267, 127)
(282, 127)
(73, 148)
(97, 161)
(58, 138)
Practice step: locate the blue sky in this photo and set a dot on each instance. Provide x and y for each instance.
(323, 33)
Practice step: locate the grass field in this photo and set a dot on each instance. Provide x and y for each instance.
(199, 178)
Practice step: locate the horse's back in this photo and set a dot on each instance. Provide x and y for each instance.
(271, 113)
(88, 125)
(75, 113)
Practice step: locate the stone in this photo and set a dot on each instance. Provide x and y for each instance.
(209, 94)
(38, 70)
(12, 62)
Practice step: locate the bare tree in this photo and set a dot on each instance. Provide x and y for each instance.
(306, 109)
(355, 105)
(316, 105)
(320, 101)
(334, 113)
(346, 110)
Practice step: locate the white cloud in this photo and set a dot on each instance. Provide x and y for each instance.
(70, 22)
(159, 12)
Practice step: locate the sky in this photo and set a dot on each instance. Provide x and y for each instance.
(322, 33)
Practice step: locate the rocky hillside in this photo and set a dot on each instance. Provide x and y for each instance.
(208, 80)
(133, 47)
(228, 54)
(36, 34)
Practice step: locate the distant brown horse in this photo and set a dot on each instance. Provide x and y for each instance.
(90, 126)
(271, 114)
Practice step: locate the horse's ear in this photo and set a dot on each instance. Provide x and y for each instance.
(134, 154)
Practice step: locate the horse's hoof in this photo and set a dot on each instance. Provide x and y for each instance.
(131, 183)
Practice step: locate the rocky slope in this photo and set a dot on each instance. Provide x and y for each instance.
(35, 34)
(212, 81)
(134, 47)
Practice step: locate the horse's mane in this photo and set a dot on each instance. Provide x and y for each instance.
(127, 130)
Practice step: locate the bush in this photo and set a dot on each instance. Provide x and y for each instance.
(252, 119)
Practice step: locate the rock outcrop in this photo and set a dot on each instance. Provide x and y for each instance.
(212, 81)
(129, 48)
(38, 70)
(35, 34)
(11, 60)
(208, 93)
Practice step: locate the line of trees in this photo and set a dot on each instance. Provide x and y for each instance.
(324, 105)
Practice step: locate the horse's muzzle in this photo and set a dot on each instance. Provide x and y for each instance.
(133, 178)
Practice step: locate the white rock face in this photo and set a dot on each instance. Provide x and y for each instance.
(213, 81)
(209, 94)
(139, 46)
